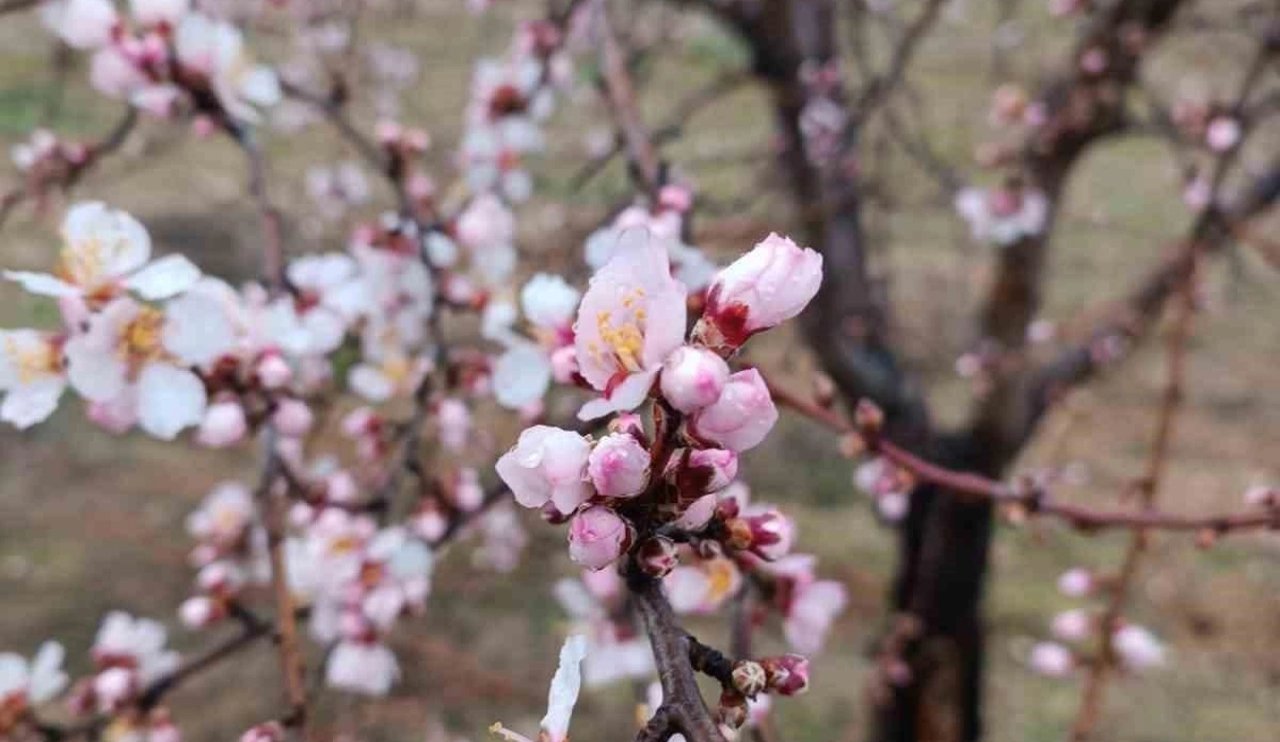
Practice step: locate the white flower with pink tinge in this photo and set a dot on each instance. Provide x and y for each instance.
(215, 48)
(561, 697)
(31, 375)
(1004, 215)
(612, 655)
(82, 24)
(547, 465)
(24, 684)
(328, 295)
(139, 358)
(631, 318)
(769, 285)
(365, 667)
(106, 253)
(810, 606)
(135, 644)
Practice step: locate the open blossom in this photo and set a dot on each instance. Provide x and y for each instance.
(619, 466)
(215, 48)
(549, 303)
(136, 645)
(615, 650)
(693, 378)
(597, 537)
(82, 24)
(104, 253)
(769, 285)
(547, 465)
(631, 318)
(809, 605)
(703, 585)
(24, 683)
(1003, 215)
(31, 375)
(743, 415)
(139, 354)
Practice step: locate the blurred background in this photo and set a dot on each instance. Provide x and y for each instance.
(91, 522)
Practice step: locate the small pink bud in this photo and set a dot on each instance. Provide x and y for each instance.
(224, 424)
(702, 471)
(1076, 583)
(788, 675)
(468, 495)
(657, 556)
(360, 422)
(564, 364)
(198, 612)
(698, 515)
(271, 731)
(1051, 660)
(693, 378)
(163, 731)
(388, 132)
(741, 418)
(619, 466)
(597, 537)
(273, 371)
(340, 486)
(1072, 626)
(293, 418)
(1223, 133)
(113, 687)
(749, 678)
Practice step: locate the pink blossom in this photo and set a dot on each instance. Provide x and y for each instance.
(1223, 133)
(630, 319)
(741, 418)
(619, 466)
(693, 378)
(547, 465)
(34, 682)
(772, 533)
(788, 675)
(701, 470)
(1137, 647)
(597, 537)
(1076, 583)
(1072, 626)
(293, 418)
(769, 285)
(812, 609)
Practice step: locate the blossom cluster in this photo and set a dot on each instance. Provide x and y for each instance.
(1133, 646)
(166, 58)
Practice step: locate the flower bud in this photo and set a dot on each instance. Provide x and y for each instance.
(223, 425)
(697, 515)
(1051, 660)
(292, 418)
(772, 534)
(619, 466)
(271, 731)
(597, 537)
(749, 678)
(788, 675)
(113, 687)
(1076, 583)
(765, 287)
(693, 378)
(564, 365)
(742, 416)
(868, 417)
(198, 612)
(273, 371)
(696, 472)
(1071, 626)
(657, 556)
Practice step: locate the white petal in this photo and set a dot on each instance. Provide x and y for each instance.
(31, 403)
(97, 373)
(564, 687)
(370, 383)
(196, 329)
(42, 283)
(47, 677)
(521, 376)
(166, 277)
(169, 399)
(118, 243)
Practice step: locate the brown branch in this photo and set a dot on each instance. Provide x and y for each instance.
(882, 86)
(642, 155)
(13, 6)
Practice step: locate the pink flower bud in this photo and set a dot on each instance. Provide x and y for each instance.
(273, 371)
(1072, 626)
(597, 537)
(547, 465)
(1076, 583)
(468, 495)
(293, 418)
(619, 466)
(693, 378)
(455, 423)
(1222, 134)
(1051, 659)
(788, 675)
(741, 418)
(701, 471)
(564, 365)
(772, 534)
(340, 486)
(198, 612)
(360, 422)
(224, 424)
(113, 687)
(163, 730)
(271, 731)
(765, 287)
(657, 556)
(675, 197)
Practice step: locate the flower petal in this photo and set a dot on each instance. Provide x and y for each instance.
(31, 403)
(42, 284)
(166, 277)
(169, 399)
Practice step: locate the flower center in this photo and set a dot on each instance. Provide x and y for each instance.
(625, 338)
(140, 341)
(33, 361)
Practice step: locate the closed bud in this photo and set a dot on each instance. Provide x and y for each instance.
(199, 611)
(693, 378)
(597, 537)
(742, 416)
(788, 675)
(292, 418)
(772, 534)
(223, 425)
(271, 731)
(732, 711)
(273, 371)
(868, 417)
(769, 285)
(657, 556)
(749, 678)
(618, 466)
(696, 472)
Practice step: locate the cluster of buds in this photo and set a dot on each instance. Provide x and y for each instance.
(629, 342)
(1213, 124)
